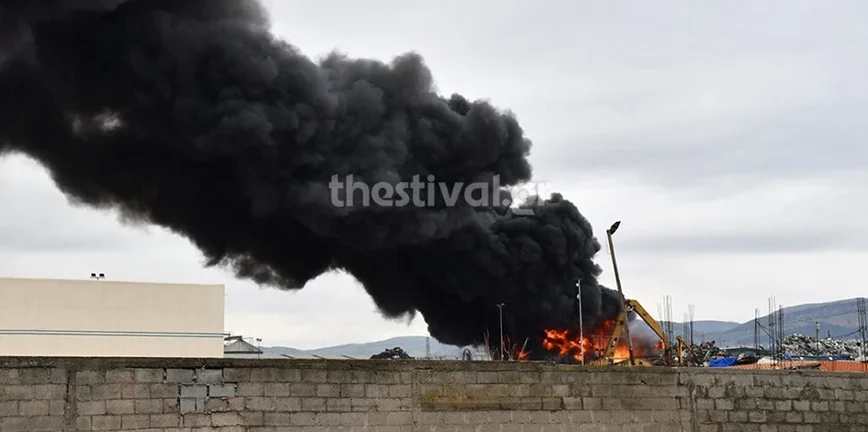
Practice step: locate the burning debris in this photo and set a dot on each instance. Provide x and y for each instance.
(396, 353)
(569, 347)
(190, 115)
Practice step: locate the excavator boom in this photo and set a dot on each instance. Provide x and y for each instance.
(621, 321)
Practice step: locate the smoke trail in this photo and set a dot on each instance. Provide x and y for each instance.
(192, 116)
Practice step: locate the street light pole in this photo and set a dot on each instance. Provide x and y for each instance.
(581, 321)
(609, 233)
(502, 350)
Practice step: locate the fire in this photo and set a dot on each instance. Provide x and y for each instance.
(567, 343)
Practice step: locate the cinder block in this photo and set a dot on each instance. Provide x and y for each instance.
(58, 376)
(302, 419)
(149, 376)
(276, 389)
(259, 403)
(171, 405)
(105, 392)
(487, 377)
(263, 375)
(135, 421)
(192, 405)
(221, 391)
(351, 390)
(196, 420)
(56, 407)
(179, 375)
(209, 376)
(592, 403)
(250, 389)
(363, 404)
(165, 390)
(313, 404)
(338, 405)
(34, 376)
(194, 391)
(166, 421)
(302, 390)
(8, 409)
(149, 406)
(276, 419)
(90, 377)
(327, 419)
(376, 391)
(105, 423)
(329, 390)
(236, 375)
(251, 419)
(32, 392)
(93, 408)
(314, 376)
(135, 391)
(289, 404)
(9, 376)
(120, 406)
(288, 375)
(119, 376)
(33, 408)
(571, 403)
(225, 419)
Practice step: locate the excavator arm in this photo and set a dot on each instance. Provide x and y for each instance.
(621, 321)
(655, 326)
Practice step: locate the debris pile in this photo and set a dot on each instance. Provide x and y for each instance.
(802, 345)
(392, 354)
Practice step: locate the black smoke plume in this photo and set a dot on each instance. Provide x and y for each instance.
(191, 115)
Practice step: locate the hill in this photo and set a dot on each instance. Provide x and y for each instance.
(413, 345)
(838, 319)
(704, 327)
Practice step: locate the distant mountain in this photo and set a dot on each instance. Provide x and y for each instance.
(704, 327)
(837, 319)
(413, 345)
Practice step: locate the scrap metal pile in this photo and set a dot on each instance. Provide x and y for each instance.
(699, 355)
(802, 345)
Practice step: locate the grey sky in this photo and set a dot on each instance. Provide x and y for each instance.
(728, 136)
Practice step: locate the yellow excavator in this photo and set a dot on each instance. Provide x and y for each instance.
(607, 357)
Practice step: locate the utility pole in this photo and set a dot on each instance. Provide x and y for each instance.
(581, 321)
(818, 338)
(502, 350)
(609, 233)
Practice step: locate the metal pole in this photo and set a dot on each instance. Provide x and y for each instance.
(818, 338)
(502, 350)
(581, 321)
(609, 233)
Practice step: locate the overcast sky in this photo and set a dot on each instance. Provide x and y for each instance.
(729, 137)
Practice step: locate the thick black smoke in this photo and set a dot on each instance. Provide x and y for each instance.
(191, 115)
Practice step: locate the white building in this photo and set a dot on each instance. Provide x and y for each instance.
(101, 318)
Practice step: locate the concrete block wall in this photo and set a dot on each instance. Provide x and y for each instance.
(249, 395)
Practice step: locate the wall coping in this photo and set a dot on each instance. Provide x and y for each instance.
(97, 363)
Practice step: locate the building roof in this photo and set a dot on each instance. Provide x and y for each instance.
(239, 346)
(823, 365)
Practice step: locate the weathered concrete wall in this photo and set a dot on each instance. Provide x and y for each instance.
(169, 395)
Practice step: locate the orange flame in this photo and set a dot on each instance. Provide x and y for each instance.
(568, 343)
